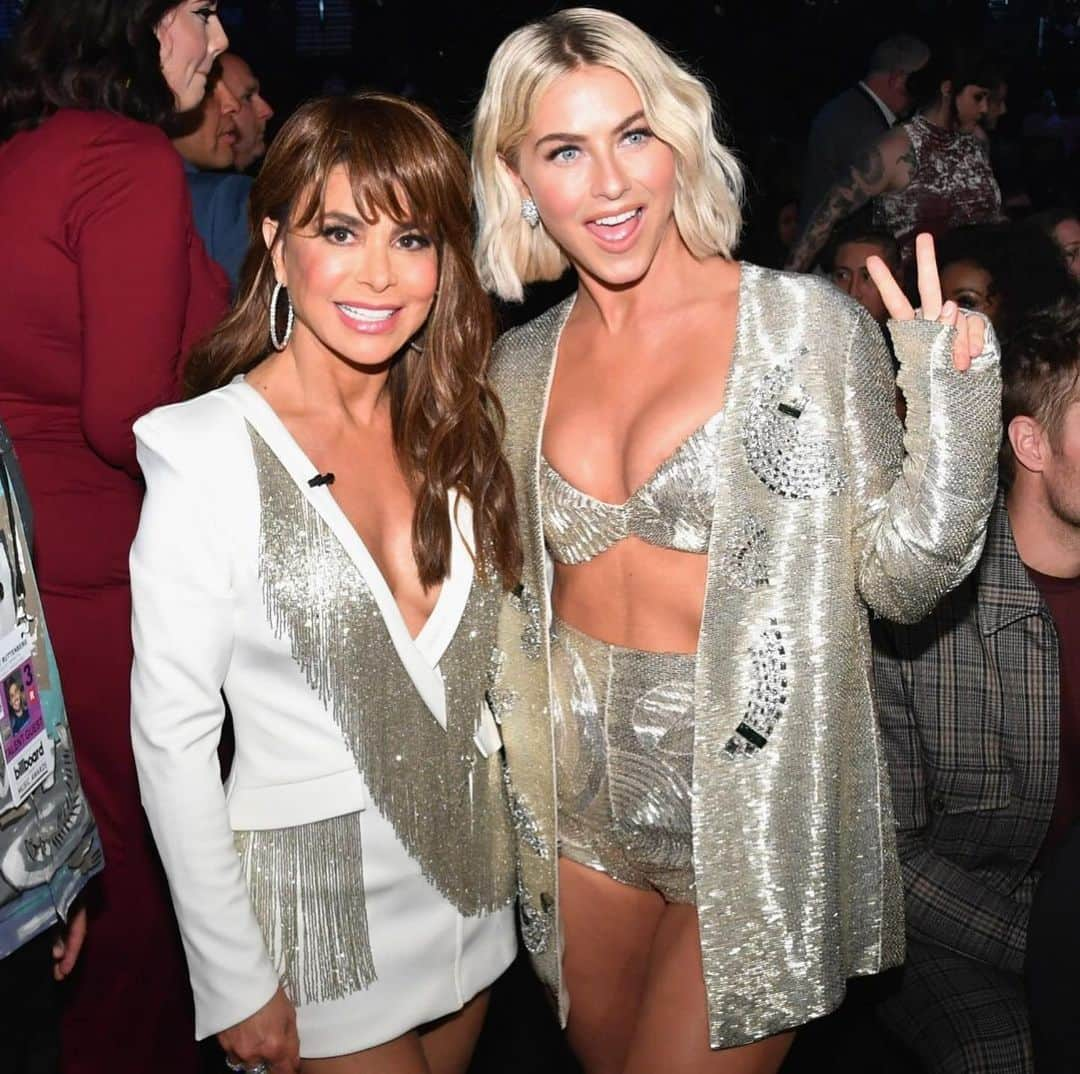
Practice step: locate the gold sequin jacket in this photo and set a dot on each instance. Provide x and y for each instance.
(824, 507)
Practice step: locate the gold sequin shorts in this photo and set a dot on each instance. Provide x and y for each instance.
(624, 727)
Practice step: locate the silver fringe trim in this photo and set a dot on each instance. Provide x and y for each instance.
(307, 891)
(446, 803)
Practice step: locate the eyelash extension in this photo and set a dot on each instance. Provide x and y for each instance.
(644, 132)
(560, 149)
(332, 229)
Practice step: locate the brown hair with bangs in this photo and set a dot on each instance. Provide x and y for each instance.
(447, 423)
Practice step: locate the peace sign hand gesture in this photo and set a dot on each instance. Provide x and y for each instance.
(970, 328)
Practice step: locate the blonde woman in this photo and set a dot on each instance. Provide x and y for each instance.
(709, 454)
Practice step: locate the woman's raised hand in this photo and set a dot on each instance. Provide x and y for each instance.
(970, 328)
(266, 1041)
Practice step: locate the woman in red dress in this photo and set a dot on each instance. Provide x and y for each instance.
(106, 285)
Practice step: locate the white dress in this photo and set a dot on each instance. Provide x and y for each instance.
(244, 578)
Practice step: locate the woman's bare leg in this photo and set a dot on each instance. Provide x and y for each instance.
(443, 1047)
(609, 930)
(450, 1042)
(671, 1030)
(402, 1055)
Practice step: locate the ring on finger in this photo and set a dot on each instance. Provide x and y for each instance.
(233, 1066)
(262, 1067)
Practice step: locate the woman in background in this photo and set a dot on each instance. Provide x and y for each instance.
(1004, 271)
(928, 174)
(106, 287)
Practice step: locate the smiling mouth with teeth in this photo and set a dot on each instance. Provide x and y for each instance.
(358, 313)
(614, 221)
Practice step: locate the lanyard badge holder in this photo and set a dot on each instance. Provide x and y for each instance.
(27, 754)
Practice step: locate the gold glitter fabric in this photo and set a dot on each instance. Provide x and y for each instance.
(817, 514)
(624, 747)
(673, 509)
(446, 802)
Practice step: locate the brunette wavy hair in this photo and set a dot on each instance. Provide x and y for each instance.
(90, 54)
(447, 423)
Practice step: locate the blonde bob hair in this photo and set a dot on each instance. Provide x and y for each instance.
(677, 105)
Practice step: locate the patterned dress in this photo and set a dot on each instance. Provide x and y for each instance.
(952, 185)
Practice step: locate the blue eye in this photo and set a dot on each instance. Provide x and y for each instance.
(564, 153)
(638, 136)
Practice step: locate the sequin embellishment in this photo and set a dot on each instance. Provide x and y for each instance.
(744, 554)
(318, 601)
(306, 886)
(536, 925)
(525, 823)
(532, 633)
(783, 449)
(672, 509)
(500, 697)
(768, 694)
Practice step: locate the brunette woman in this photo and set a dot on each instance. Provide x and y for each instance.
(929, 174)
(105, 287)
(710, 454)
(328, 529)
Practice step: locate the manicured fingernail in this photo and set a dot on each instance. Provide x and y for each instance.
(948, 309)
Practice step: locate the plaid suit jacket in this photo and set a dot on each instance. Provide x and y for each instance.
(968, 701)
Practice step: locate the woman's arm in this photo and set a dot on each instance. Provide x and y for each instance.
(130, 224)
(919, 526)
(887, 164)
(183, 632)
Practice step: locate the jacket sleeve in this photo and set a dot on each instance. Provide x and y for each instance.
(921, 512)
(183, 636)
(945, 904)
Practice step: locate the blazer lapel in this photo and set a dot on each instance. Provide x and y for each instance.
(534, 384)
(414, 654)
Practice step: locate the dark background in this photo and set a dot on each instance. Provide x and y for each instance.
(772, 62)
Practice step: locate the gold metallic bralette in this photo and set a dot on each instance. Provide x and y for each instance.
(673, 509)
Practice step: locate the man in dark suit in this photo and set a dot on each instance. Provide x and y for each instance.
(980, 712)
(219, 196)
(863, 112)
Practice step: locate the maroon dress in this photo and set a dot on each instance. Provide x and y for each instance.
(105, 286)
(952, 185)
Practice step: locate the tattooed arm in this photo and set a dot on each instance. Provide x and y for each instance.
(887, 164)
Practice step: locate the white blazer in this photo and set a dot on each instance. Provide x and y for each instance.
(200, 627)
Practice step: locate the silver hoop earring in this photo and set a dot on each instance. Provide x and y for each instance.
(530, 213)
(279, 344)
